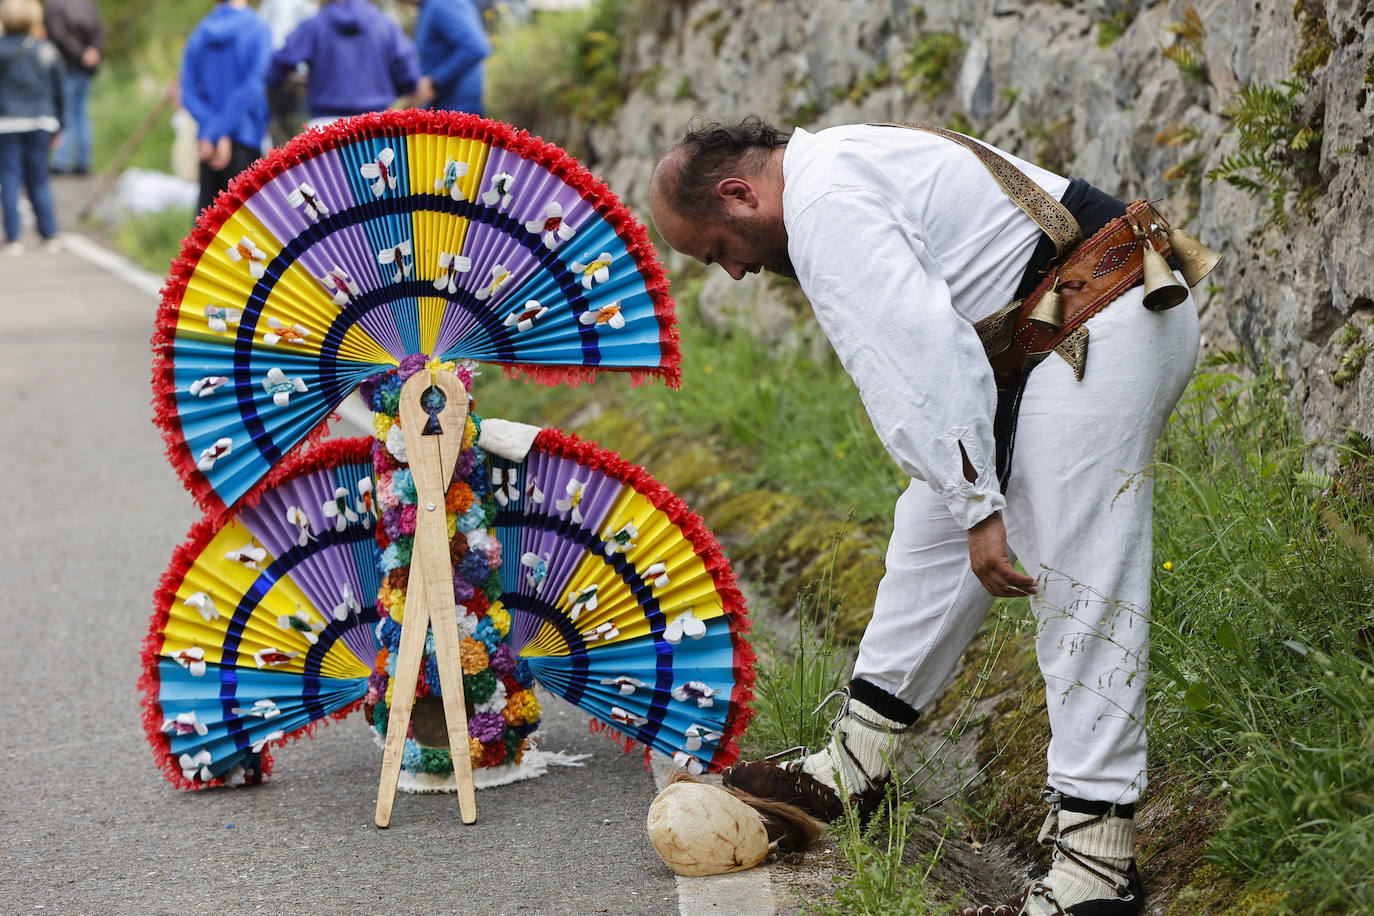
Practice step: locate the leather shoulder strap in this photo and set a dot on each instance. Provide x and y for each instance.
(1049, 214)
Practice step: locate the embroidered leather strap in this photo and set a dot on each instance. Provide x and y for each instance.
(1049, 214)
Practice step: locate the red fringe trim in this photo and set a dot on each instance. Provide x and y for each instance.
(183, 557)
(389, 124)
(567, 445)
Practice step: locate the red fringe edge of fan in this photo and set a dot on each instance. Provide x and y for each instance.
(567, 445)
(201, 534)
(379, 124)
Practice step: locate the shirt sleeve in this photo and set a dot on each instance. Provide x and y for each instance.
(405, 66)
(99, 32)
(56, 73)
(467, 46)
(192, 96)
(299, 48)
(925, 381)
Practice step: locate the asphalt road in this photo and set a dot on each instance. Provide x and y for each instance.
(87, 823)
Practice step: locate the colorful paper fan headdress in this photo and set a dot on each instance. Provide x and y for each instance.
(600, 585)
(381, 237)
(265, 622)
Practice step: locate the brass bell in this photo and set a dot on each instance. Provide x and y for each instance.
(1195, 259)
(1049, 311)
(1162, 289)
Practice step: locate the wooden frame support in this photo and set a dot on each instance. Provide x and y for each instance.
(434, 412)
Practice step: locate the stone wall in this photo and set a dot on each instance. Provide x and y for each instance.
(1130, 96)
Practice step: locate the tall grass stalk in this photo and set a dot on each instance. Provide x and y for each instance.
(888, 878)
(793, 685)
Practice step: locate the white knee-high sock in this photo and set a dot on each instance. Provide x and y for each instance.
(1112, 842)
(860, 751)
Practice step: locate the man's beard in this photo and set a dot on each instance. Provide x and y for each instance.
(767, 240)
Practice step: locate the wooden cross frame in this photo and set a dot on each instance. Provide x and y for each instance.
(434, 412)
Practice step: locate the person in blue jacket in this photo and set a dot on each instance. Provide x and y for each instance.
(452, 45)
(359, 61)
(222, 88)
(31, 116)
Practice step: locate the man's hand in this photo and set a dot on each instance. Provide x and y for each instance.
(424, 92)
(90, 58)
(987, 551)
(224, 151)
(205, 151)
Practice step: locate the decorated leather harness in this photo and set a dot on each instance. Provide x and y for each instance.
(1063, 286)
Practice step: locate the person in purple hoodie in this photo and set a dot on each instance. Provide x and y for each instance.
(359, 61)
(222, 88)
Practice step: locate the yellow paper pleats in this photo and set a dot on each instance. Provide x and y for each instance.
(689, 588)
(224, 582)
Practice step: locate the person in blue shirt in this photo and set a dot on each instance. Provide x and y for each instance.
(452, 45)
(222, 88)
(359, 61)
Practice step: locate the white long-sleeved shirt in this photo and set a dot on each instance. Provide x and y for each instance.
(901, 240)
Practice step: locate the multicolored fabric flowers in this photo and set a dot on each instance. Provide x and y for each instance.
(502, 708)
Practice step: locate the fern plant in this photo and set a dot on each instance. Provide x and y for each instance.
(1186, 53)
(1277, 149)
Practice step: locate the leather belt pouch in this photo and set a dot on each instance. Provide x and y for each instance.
(1092, 275)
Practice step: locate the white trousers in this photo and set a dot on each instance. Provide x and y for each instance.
(1078, 518)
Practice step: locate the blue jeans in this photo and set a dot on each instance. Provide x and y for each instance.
(24, 163)
(76, 124)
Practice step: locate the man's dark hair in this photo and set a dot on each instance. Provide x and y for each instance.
(712, 151)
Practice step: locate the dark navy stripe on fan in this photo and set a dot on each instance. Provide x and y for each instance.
(566, 629)
(663, 652)
(500, 335)
(314, 657)
(571, 288)
(233, 633)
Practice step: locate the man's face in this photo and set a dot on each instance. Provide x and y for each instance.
(738, 244)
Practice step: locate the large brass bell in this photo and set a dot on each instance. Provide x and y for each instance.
(1162, 289)
(1049, 311)
(1195, 259)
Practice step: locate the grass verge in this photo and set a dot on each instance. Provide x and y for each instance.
(154, 239)
(1263, 691)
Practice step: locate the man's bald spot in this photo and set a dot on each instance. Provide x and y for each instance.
(665, 179)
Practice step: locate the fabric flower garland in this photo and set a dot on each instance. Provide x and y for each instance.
(498, 687)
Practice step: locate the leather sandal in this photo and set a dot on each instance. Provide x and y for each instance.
(1038, 900)
(788, 784)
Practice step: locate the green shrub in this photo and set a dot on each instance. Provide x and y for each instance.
(1186, 51)
(561, 67)
(1109, 30)
(888, 876)
(933, 63)
(1262, 685)
(793, 685)
(142, 59)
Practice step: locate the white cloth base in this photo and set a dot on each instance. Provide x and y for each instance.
(533, 764)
